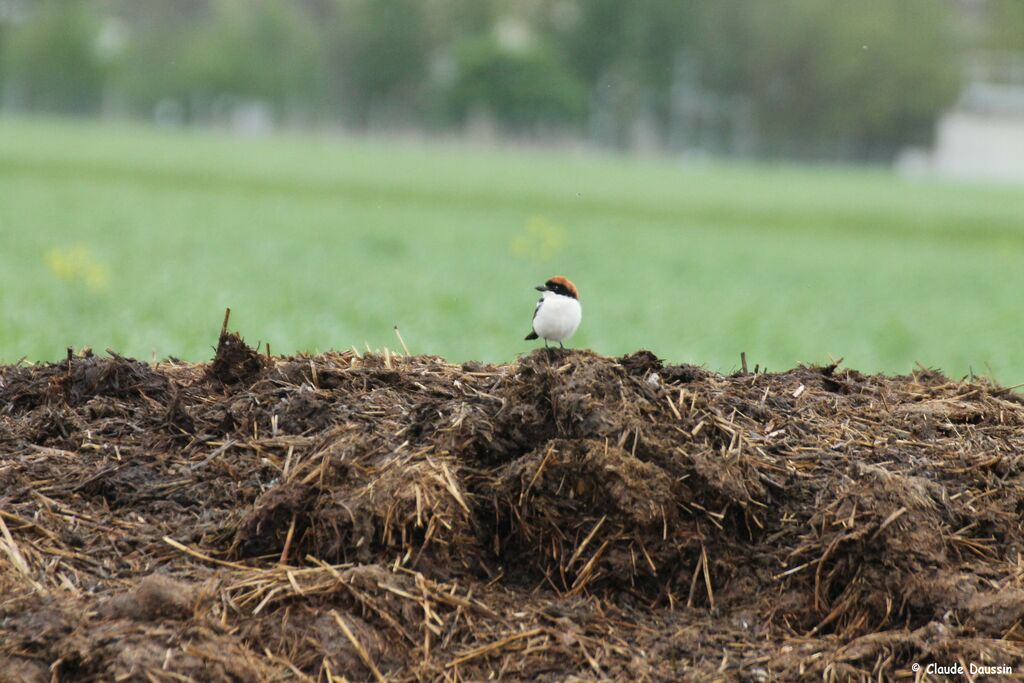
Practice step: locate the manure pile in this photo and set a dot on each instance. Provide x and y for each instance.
(564, 517)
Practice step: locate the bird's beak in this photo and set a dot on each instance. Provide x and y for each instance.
(541, 288)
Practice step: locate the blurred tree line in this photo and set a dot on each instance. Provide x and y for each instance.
(825, 79)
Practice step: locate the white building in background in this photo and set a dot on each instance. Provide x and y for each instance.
(982, 136)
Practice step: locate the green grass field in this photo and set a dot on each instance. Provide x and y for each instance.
(137, 239)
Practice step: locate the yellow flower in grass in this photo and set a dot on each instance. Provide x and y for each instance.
(540, 240)
(76, 264)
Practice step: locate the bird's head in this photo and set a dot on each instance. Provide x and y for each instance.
(560, 285)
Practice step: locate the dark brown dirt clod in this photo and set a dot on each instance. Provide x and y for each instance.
(567, 516)
(155, 597)
(235, 361)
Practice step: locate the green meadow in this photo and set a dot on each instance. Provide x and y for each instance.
(137, 239)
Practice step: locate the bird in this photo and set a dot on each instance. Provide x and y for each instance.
(558, 313)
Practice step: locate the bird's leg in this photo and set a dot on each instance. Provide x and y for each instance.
(545, 343)
(561, 346)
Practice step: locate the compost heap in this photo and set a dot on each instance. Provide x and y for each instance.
(564, 517)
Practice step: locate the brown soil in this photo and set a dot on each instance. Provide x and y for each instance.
(564, 517)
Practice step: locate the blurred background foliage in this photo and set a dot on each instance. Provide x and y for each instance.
(332, 168)
(808, 79)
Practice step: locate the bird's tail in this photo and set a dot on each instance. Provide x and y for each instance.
(532, 335)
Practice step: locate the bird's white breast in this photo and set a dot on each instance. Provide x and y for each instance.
(558, 317)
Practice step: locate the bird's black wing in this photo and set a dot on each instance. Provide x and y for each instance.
(533, 334)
